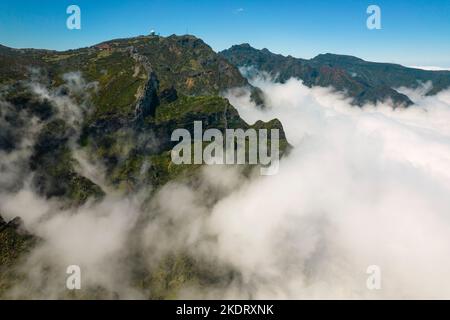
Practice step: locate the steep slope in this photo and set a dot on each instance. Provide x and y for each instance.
(113, 105)
(124, 90)
(363, 81)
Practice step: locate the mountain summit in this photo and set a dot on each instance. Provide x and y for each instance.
(119, 100)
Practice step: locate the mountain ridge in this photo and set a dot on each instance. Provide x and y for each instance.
(364, 81)
(114, 106)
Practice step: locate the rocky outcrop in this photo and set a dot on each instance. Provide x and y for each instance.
(148, 100)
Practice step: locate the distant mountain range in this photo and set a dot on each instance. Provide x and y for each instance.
(365, 82)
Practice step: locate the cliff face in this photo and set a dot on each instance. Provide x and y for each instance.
(365, 82)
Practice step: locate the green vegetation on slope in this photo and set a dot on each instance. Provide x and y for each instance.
(137, 92)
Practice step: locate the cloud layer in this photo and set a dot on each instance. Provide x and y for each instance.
(362, 186)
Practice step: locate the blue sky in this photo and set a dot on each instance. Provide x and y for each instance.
(414, 32)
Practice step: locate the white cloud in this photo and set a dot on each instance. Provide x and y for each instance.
(431, 68)
(362, 186)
